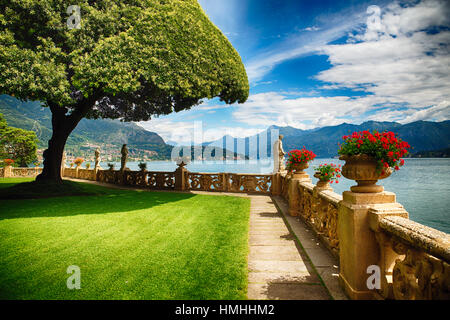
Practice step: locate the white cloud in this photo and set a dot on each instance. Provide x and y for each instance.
(188, 132)
(401, 63)
(265, 109)
(313, 28)
(439, 112)
(401, 71)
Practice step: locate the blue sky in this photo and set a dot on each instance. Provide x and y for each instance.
(319, 63)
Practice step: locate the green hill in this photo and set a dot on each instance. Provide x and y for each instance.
(107, 134)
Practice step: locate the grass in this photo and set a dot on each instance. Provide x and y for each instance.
(128, 244)
(27, 188)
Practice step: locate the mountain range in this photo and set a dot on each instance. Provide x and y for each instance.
(109, 135)
(421, 135)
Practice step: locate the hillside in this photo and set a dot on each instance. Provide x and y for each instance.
(421, 135)
(109, 135)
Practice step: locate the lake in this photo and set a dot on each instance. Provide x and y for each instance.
(422, 186)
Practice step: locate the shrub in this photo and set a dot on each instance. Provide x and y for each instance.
(8, 162)
(87, 165)
(111, 166)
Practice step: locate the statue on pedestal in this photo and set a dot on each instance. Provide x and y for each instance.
(123, 160)
(97, 158)
(278, 155)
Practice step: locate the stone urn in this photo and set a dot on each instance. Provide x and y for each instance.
(298, 170)
(322, 184)
(363, 169)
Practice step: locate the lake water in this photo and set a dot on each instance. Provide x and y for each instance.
(422, 186)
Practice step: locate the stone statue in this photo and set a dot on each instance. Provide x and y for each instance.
(97, 158)
(278, 156)
(123, 160)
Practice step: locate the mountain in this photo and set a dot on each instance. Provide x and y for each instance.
(421, 135)
(443, 153)
(107, 134)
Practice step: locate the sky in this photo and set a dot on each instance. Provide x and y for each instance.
(322, 63)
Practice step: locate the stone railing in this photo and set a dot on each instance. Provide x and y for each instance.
(229, 182)
(70, 172)
(413, 259)
(317, 207)
(180, 179)
(87, 174)
(149, 179)
(18, 172)
(371, 230)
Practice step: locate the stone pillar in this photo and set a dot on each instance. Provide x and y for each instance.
(294, 196)
(358, 247)
(180, 177)
(276, 184)
(7, 171)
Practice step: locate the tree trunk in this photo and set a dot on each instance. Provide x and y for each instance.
(62, 126)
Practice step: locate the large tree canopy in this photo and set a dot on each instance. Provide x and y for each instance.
(129, 60)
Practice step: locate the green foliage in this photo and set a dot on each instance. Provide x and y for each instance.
(17, 144)
(135, 58)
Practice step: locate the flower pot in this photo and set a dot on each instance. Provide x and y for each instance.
(363, 169)
(322, 184)
(298, 169)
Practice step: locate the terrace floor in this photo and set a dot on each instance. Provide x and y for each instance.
(286, 261)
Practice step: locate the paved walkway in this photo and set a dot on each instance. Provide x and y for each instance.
(279, 265)
(285, 260)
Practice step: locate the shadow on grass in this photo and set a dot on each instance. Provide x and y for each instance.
(74, 198)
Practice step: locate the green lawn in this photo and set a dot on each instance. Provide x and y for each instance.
(128, 244)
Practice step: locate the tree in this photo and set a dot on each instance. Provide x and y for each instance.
(128, 60)
(17, 144)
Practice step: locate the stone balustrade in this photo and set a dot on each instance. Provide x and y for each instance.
(198, 181)
(17, 172)
(371, 229)
(414, 259)
(229, 182)
(317, 207)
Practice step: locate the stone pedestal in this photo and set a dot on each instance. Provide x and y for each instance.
(180, 177)
(358, 247)
(294, 197)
